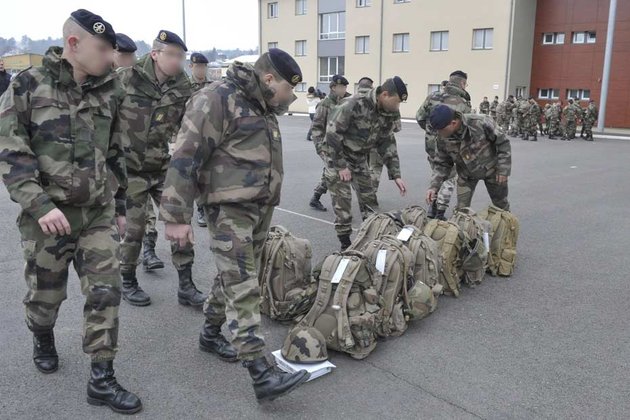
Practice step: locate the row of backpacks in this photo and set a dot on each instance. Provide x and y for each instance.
(393, 273)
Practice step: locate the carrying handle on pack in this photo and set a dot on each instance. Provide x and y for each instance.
(279, 229)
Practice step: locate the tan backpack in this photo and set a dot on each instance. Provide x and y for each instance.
(475, 253)
(412, 215)
(503, 239)
(450, 240)
(394, 265)
(374, 227)
(286, 286)
(428, 260)
(347, 306)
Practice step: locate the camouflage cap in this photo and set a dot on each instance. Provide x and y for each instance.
(305, 345)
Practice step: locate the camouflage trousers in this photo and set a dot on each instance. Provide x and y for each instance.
(92, 248)
(341, 196)
(466, 188)
(569, 129)
(554, 127)
(529, 126)
(140, 188)
(151, 218)
(237, 235)
(445, 192)
(588, 129)
(376, 168)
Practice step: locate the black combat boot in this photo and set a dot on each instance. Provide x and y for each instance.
(535, 138)
(44, 352)
(104, 389)
(316, 204)
(345, 241)
(432, 210)
(132, 292)
(212, 341)
(150, 260)
(188, 294)
(201, 217)
(270, 382)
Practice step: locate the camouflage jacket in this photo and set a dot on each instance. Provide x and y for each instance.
(320, 121)
(59, 141)
(196, 85)
(359, 126)
(493, 107)
(572, 112)
(478, 150)
(150, 115)
(484, 107)
(533, 111)
(591, 113)
(452, 96)
(509, 107)
(228, 150)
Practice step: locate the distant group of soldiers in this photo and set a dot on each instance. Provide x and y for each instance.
(524, 118)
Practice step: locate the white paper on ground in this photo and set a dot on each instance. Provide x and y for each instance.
(315, 369)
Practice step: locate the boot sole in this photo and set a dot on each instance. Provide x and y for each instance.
(318, 209)
(153, 267)
(47, 371)
(285, 392)
(207, 350)
(97, 402)
(147, 303)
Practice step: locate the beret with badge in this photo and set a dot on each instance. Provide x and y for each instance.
(285, 65)
(170, 38)
(338, 79)
(124, 44)
(401, 88)
(95, 25)
(198, 58)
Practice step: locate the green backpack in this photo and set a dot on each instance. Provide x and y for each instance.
(347, 306)
(503, 239)
(374, 227)
(450, 240)
(287, 288)
(394, 265)
(475, 253)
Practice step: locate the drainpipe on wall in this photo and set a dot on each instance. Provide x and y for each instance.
(380, 56)
(508, 63)
(612, 15)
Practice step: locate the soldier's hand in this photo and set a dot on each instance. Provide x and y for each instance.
(502, 179)
(401, 186)
(345, 175)
(121, 223)
(182, 234)
(430, 197)
(54, 223)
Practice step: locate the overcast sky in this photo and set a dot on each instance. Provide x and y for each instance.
(218, 23)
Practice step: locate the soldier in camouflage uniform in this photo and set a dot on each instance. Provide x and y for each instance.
(589, 117)
(571, 112)
(509, 111)
(493, 108)
(484, 106)
(199, 80)
(546, 112)
(478, 149)
(359, 125)
(156, 93)
(531, 118)
(229, 153)
(522, 109)
(59, 142)
(554, 120)
(455, 96)
(338, 91)
(125, 54)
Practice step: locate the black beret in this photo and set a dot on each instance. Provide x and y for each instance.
(198, 58)
(441, 116)
(285, 65)
(168, 37)
(400, 88)
(95, 25)
(339, 80)
(125, 44)
(459, 73)
(366, 78)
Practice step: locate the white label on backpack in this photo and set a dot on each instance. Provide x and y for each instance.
(405, 234)
(380, 260)
(486, 240)
(341, 268)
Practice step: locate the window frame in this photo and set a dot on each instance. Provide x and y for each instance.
(403, 45)
(270, 7)
(365, 45)
(441, 34)
(303, 52)
(338, 34)
(484, 43)
(304, 7)
(328, 77)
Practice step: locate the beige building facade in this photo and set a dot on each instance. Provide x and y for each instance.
(422, 41)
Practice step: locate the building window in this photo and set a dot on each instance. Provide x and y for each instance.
(300, 48)
(362, 45)
(579, 94)
(521, 91)
(586, 37)
(548, 93)
(482, 39)
(439, 41)
(330, 66)
(272, 10)
(401, 43)
(332, 25)
(551, 38)
(300, 87)
(271, 45)
(300, 7)
(433, 88)
(364, 3)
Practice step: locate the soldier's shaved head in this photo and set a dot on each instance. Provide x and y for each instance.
(88, 54)
(72, 28)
